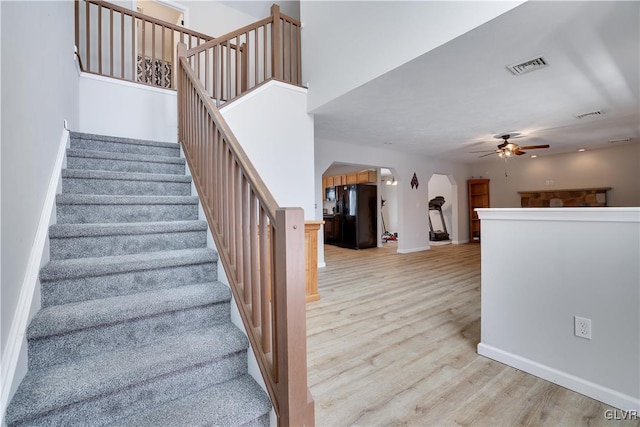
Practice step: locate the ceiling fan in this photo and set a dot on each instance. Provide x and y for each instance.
(509, 149)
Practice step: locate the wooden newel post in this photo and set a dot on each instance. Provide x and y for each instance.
(290, 321)
(276, 42)
(177, 72)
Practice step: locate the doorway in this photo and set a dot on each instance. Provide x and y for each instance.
(156, 46)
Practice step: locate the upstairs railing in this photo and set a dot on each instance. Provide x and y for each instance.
(117, 42)
(235, 63)
(120, 43)
(260, 245)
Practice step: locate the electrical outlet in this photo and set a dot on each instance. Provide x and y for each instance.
(582, 327)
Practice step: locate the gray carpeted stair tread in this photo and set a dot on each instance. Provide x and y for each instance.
(60, 319)
(123, 145)
(124, 162)
(45, 390)
(122, 140)
(124, 176)
(111, 155)
(87, 267)
(124, 228)
(92, 199)
(85, 181)
(232, 403)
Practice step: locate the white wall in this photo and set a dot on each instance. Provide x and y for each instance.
(39, 91)
(273, 127)
(413, 204)
(617, 167)
(439, 185)
(365, 39)
(118, 108)
(565, 263)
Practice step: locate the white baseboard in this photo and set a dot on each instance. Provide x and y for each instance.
(579, 385)
(14, 364)
(408, 251)
(460, 242)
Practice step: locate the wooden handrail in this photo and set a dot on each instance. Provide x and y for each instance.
(120, 50)
(148, 18)
(270, 49)
(260, 245)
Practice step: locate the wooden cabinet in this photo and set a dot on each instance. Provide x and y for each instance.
(362, 177)
(366, 177)
(478, 198)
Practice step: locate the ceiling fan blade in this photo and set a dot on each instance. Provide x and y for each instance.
(518, 152)
(534, 147)
(485, 155)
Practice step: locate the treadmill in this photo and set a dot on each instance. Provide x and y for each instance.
(435, 204)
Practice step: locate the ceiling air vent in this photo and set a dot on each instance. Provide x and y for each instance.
(528, 66)
(589, 114)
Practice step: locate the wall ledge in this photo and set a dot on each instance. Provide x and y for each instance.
(126, 83)
(631, 214)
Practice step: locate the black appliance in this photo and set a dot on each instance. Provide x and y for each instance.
(358, 217)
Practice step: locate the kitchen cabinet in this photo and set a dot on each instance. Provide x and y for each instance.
(478, 198)
(362, 177)
(366, 177)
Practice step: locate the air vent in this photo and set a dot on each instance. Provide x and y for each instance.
(528, 66)
(589, 114)
(613, 141)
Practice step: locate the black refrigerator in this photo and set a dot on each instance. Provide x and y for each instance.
(358, 218)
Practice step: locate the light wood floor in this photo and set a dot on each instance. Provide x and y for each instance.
(393, 342)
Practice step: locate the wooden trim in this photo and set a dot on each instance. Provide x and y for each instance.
(276, 41)
(311, 229)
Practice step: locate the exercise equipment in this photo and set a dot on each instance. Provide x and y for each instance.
(435, 204)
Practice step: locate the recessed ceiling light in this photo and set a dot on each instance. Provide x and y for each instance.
(533, 156)
(581, 149)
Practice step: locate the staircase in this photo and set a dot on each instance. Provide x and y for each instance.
(134, 329)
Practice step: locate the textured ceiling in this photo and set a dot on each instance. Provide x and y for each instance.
(457, 97)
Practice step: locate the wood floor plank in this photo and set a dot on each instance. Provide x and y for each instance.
(392, 342)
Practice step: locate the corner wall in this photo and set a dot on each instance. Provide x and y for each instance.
(274, 129)
(616, 167)
(39, 91)
(564, 263)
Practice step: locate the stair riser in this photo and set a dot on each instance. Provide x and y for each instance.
(89, 288)
(56, 349)
(108, 408)
(124, 165)
(125, 187)
(119, 147)
(85, 214)
(98, 246)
